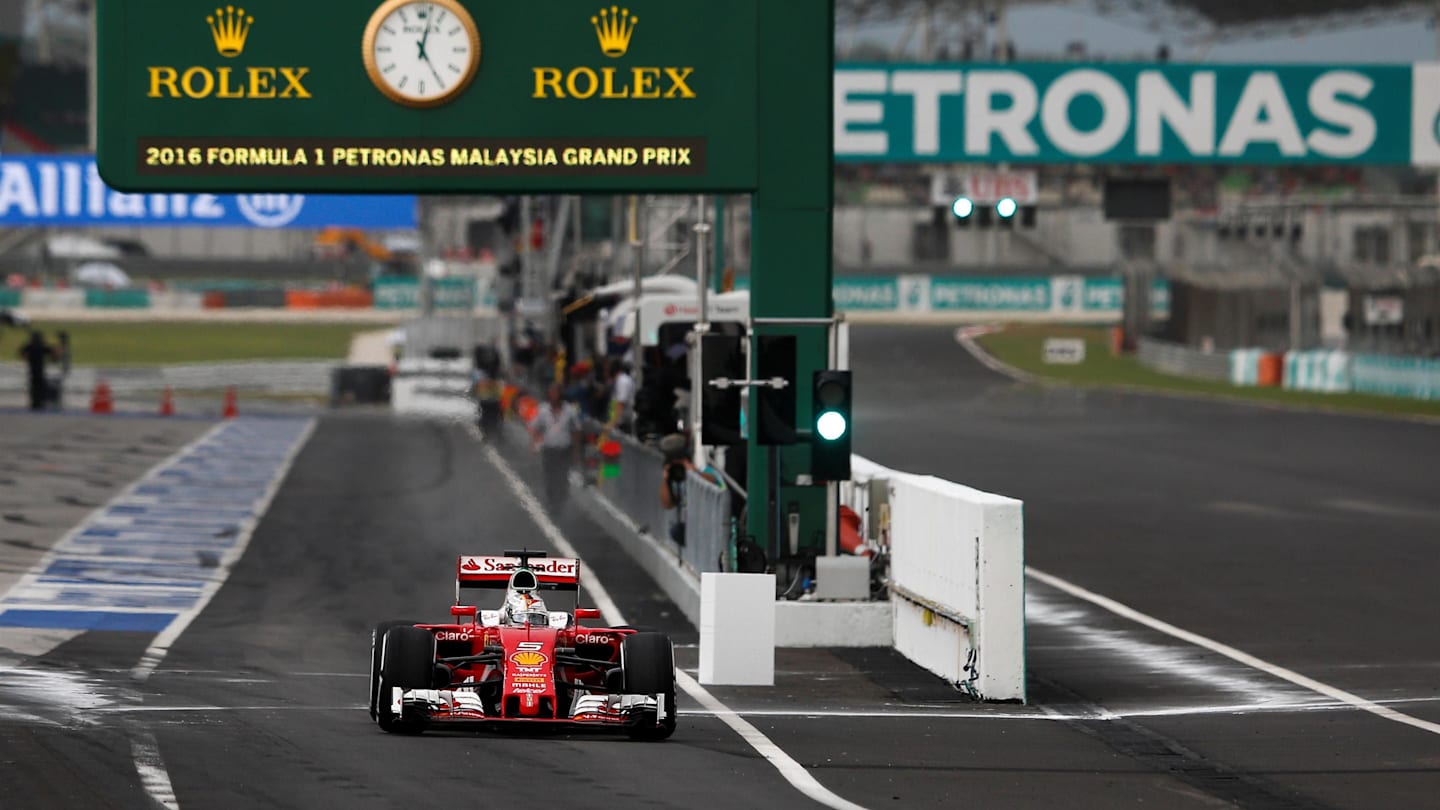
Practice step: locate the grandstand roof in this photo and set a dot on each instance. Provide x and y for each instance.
(1228, 13)
(1199, 17)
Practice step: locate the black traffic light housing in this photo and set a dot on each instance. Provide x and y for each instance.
(720, 356)
(775, 407)
(831, 425)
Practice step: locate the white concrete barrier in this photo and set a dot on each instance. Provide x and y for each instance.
(958, 573)
(172, 300)
(47, 300)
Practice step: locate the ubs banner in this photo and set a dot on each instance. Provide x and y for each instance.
(68, 191)
(1139, 113)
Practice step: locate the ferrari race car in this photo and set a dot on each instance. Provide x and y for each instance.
(523, 663)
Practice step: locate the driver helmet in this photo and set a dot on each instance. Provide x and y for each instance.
(523, 605)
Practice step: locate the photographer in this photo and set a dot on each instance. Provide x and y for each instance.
(676, 449)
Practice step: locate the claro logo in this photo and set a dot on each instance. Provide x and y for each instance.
(230, 29)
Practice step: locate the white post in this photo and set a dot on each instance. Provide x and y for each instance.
(737, 629)
(639, 213)
(702, 326)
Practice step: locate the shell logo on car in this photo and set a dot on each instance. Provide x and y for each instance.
(528, 658)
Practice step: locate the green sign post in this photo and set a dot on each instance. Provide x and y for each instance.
(427, 96)
(568, 96)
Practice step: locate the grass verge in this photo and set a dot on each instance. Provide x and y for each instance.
(1023, 348)
(151, 344)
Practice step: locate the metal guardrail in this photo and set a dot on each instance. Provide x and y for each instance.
(636, 492)
(288, 376)
(1173, 358)
(707, 524)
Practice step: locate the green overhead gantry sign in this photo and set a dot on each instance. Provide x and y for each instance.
(427, 96)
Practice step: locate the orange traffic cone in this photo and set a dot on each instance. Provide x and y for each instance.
(231, 409)
(101, 401)
(167, 403)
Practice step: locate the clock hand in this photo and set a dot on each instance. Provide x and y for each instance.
(426, 38)
(435, 72)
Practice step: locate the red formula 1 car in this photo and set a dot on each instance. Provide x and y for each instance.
(523, 663)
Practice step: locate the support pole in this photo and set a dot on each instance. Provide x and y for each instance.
(638, 215)
(718, 273)
(792, 237)
(702, 326)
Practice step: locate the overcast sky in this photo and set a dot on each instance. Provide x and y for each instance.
(1048, 29)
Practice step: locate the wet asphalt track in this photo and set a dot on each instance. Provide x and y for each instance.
(1308, 541)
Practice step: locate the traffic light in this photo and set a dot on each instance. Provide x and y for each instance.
(830, 426)
(720, 356)
(1005, 213)
(775, 407)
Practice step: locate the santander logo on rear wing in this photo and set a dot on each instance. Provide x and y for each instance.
(476, 570)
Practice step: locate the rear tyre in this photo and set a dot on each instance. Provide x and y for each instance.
(377, 639)
(647, 662)
(407, 661)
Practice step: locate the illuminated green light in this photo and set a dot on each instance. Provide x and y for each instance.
(831, 425)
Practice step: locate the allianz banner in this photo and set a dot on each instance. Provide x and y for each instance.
(67, 191)
(1138, 113)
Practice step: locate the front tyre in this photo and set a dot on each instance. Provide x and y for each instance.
(407, 661)
(377, 640)
(647, 663)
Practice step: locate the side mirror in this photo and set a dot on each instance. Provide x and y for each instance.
(464, 610)
(587, 613)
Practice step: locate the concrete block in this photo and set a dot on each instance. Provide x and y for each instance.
(842, 577)
(737, 629)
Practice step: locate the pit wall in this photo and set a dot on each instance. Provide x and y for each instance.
(957, 572)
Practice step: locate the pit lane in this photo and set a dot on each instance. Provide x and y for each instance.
(260, 703)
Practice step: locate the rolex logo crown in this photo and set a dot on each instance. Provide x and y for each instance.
(230, 27)
(614, 26)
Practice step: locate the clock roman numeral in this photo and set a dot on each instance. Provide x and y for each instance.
(454, 31)
(387, 68)
(403, 80)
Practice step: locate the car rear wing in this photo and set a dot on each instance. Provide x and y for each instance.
(493, 573)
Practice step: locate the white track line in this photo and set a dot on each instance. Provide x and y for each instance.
(1230, 652)
(153, 776)
(160, 647)
(793, 771)
(144, 747)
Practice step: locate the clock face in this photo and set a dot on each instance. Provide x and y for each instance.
(421, 53)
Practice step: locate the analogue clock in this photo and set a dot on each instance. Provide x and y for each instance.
(422, 53)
